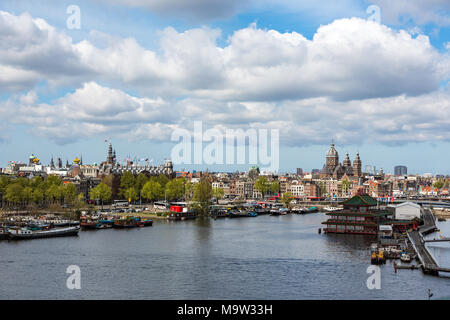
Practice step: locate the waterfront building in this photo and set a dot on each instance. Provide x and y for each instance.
(297, 188)
(244, 189)
(111, 166)
(333, 188)
(400, 171)
(380, 188)
(407, 211)
(311, 190)
(359, 215)
(284, 182)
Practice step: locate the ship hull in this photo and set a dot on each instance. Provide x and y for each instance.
(66, 232)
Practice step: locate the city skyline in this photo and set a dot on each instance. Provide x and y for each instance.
(123, 156)
(134, 74)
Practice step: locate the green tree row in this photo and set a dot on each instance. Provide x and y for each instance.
(38, 191)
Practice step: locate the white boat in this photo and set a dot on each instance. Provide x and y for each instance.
(24, 233)
(405, 257)
(330, 209)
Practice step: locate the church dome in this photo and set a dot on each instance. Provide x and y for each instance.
(332, 152)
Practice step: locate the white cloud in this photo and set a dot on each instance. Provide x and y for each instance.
(96, 110)
(347, 59)
(354, 80)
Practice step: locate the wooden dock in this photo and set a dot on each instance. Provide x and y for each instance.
(428, 263)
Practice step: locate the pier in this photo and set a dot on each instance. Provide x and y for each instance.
(428, 263)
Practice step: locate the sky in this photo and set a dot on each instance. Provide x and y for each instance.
(370, 75)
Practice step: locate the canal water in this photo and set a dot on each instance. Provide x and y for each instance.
(266, 257)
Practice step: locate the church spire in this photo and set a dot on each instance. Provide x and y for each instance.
(347, 162)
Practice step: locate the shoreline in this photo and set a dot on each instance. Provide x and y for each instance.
(139, 214)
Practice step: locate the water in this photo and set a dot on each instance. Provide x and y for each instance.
(249, 258)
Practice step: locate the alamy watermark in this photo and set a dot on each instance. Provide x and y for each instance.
(227, 146)
(74, 280)
(374, 12)
(74, 20)
(374, 281)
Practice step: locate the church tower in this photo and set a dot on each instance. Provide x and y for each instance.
(332, 160)
(357, 166)
(110, 159)
(347, 162)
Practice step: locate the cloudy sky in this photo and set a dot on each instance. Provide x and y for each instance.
(137, 70)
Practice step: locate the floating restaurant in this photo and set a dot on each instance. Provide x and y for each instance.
(360, 215)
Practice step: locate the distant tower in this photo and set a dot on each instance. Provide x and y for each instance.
(67, 163)
(347, 162)
(59, 163)
(332, 160)
(400, 170)
(81, 160)
(109, 159)
(52, 164)
(169, 167)
(357, 165)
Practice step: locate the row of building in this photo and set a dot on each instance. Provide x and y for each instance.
(335, 180)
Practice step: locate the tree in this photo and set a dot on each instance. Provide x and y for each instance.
(152, 190)
(127, 181)
(203, 195)
(286, 199)
(439, 184)
(218, 193)
(162, 180)
(54, 193)
(345, 186)
(27, 195)
(14, 193)
(175, 189)
(53, 180)
(101, 192)
(131, 194)
(275, 187)
(141, 180)
(188, 191)
(38, 196)
(323, 188)
(70, 192)
(262, 185)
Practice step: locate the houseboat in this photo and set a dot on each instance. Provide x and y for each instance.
(87, 223)
(124, 223)
(24, 233)
(145, 223)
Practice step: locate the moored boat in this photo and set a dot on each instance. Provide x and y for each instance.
(312, 210)
(299, 210)
(129, 222)
(87, 223)
(145, 223)
(275, 212)
(4, 234)
(331, 209)
(404, 257)
(24, 233)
